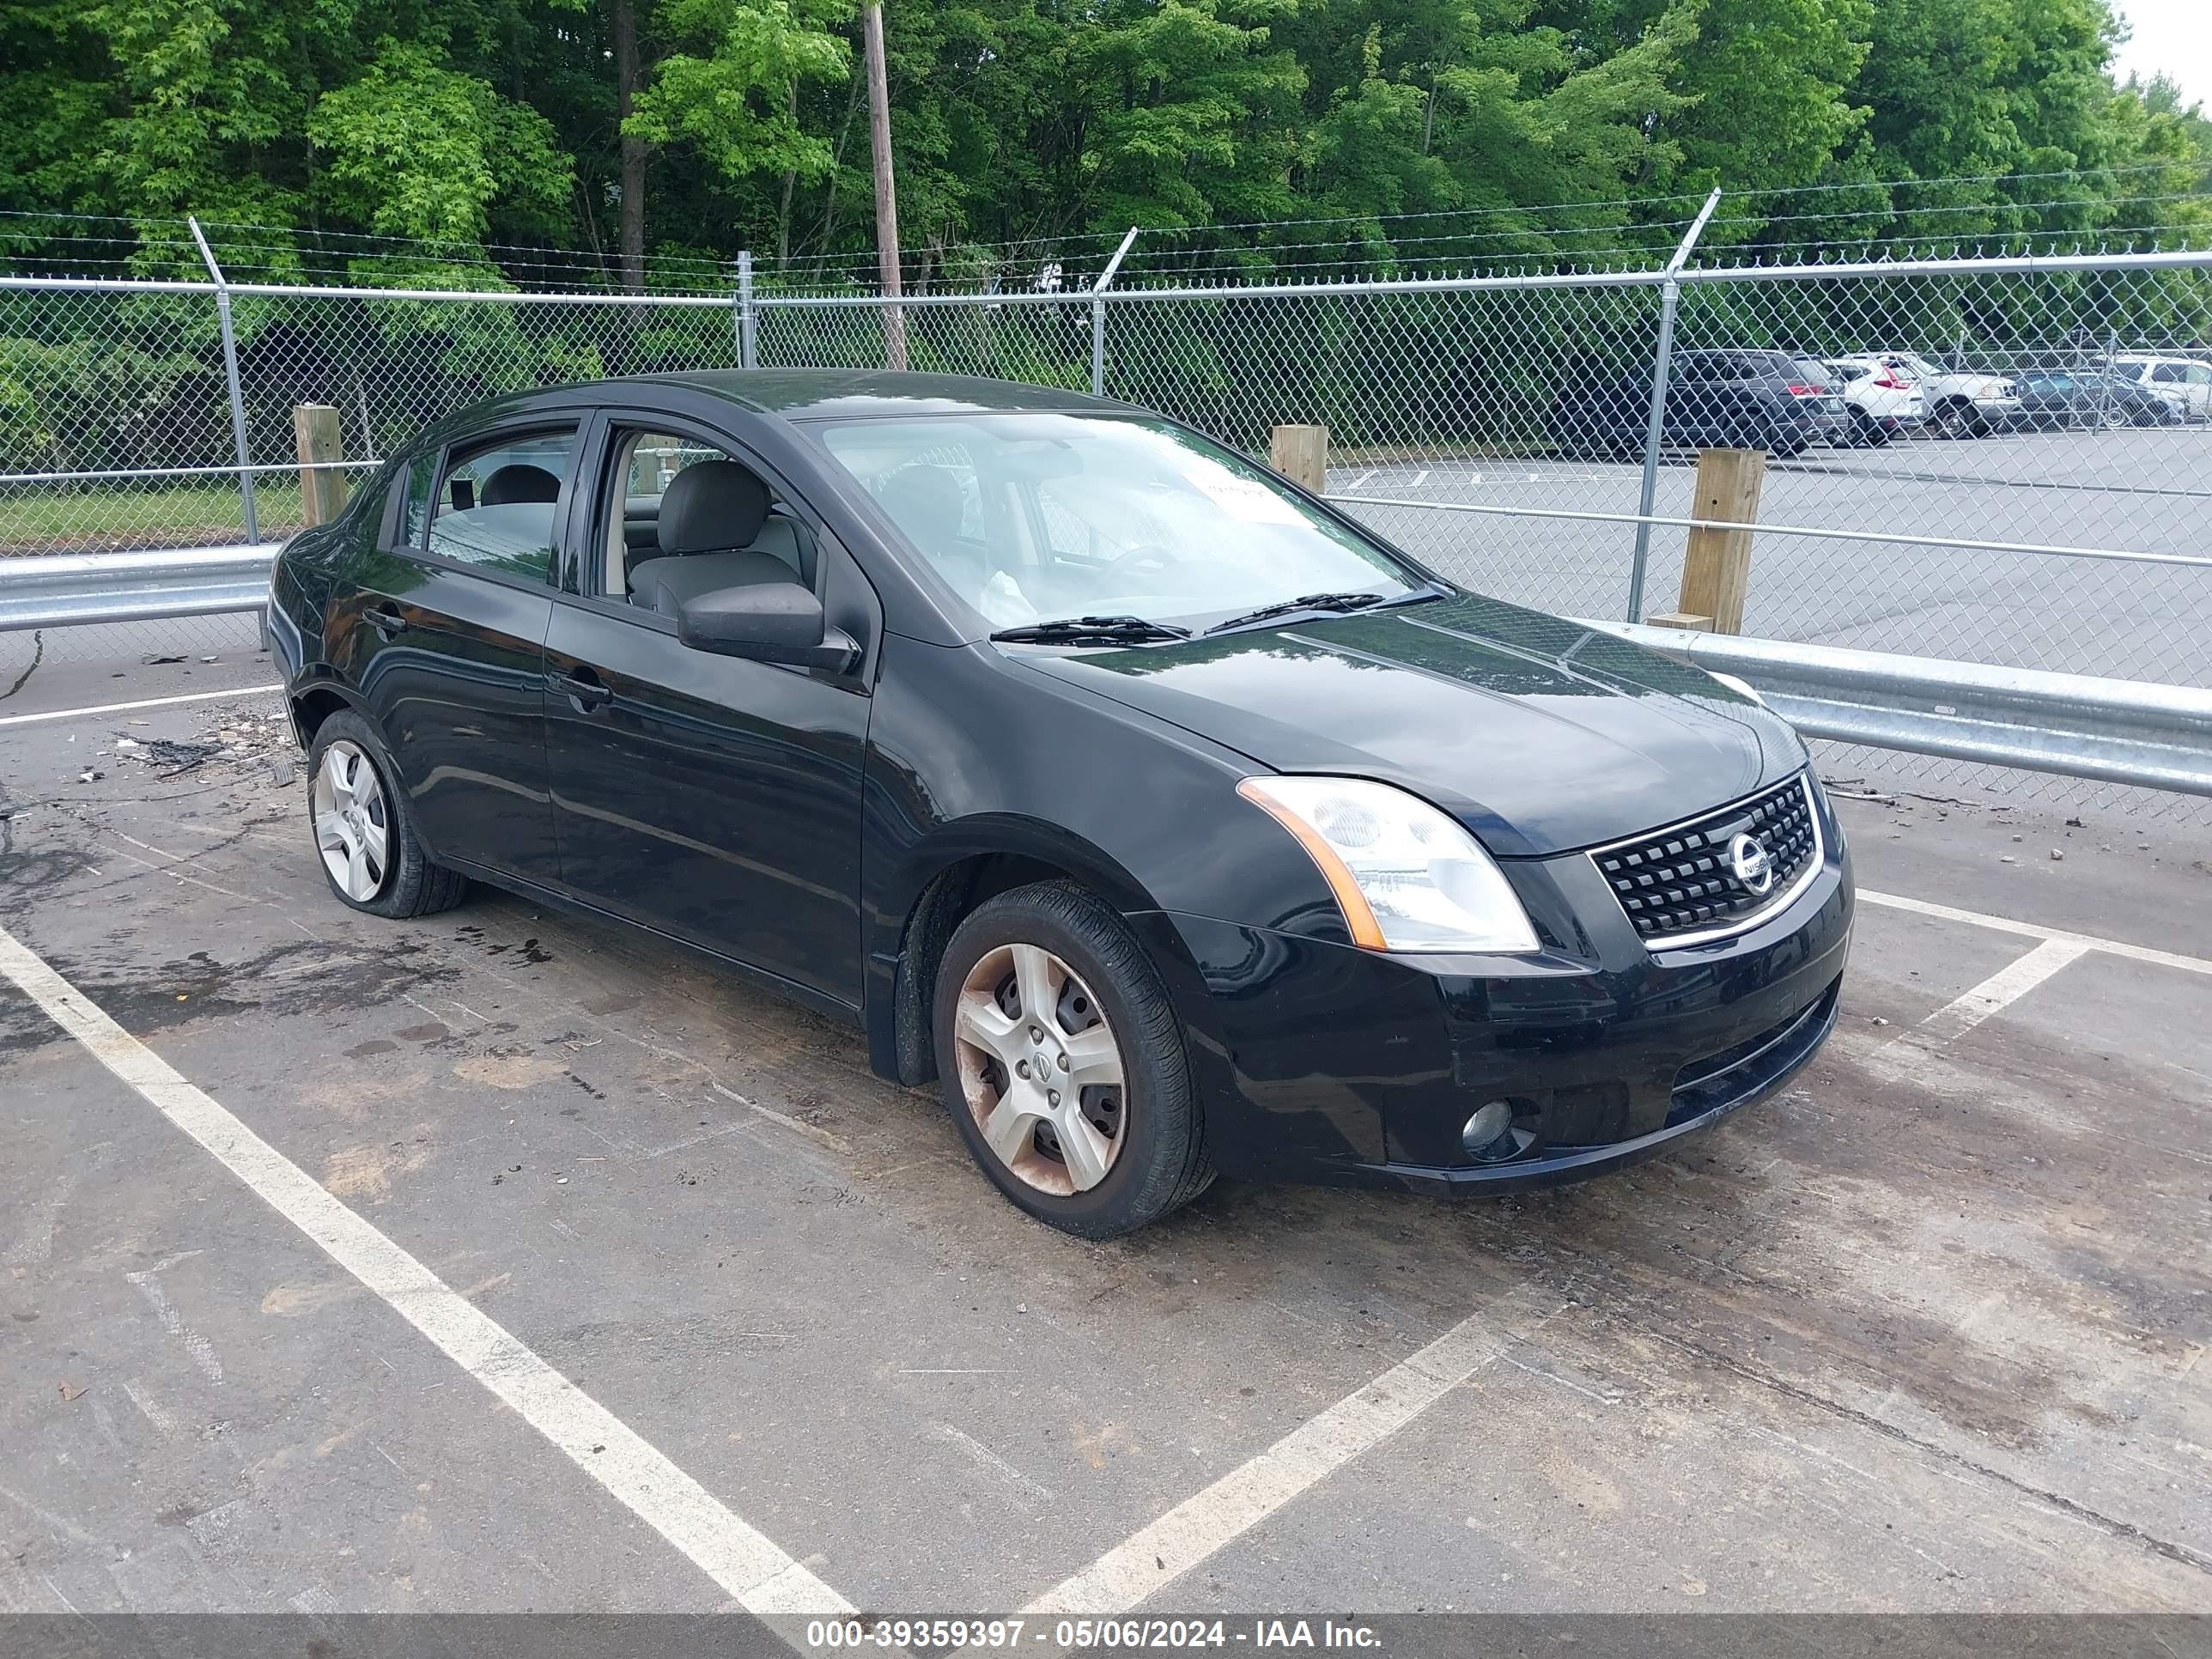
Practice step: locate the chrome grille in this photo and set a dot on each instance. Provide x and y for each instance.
(1680, 884)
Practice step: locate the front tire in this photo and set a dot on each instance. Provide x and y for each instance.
(1959, 419)
(363, 830)
(1062, 1064)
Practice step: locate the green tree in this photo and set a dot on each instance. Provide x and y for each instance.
(413, 148)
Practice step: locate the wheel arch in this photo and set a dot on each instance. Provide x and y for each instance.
(967, 863)
(314, 698)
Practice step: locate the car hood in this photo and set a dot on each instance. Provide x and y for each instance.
(1541, 735)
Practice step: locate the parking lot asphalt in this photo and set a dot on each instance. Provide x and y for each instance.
(2138, 491)
(298, 1258)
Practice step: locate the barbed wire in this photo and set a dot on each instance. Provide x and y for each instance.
(1442, 240)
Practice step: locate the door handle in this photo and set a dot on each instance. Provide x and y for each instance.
(386, 620)
(585, 689)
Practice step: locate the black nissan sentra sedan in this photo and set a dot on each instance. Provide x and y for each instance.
(1168, 818)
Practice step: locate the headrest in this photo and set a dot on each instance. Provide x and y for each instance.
(711, 507)
(519, 482)
(926, 503)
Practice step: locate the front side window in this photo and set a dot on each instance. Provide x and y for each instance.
(685, 517)
(1039, 516)
(496, 502)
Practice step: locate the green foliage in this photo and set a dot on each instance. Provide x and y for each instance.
(728, 89)
(414, 150)
(470, 124)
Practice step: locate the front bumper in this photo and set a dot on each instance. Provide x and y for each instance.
(1322, 1062)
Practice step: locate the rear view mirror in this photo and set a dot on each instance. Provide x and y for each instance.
(766, 622)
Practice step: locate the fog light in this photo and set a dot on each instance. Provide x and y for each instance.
(1490, 1125)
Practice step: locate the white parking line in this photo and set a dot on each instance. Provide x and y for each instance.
(1151, 1557)
(746, 1564)
(2000, 989)
(1420, 478)
(145, 703)
(2034, 930)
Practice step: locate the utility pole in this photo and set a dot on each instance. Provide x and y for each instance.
(879, 140)
(631, 234)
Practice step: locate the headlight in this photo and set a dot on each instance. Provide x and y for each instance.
(1407, 876)
(1735, 684)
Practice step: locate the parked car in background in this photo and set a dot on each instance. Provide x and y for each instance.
(2054, 399)
(1885, 403)
(1959, 403)
(2183, 379)
(1164, 816)
(1737, 400)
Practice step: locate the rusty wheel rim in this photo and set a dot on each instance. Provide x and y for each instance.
(1040, 1070)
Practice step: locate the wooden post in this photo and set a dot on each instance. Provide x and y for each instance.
(879, 148)
(322, 488)
(1717, 564)
(1300, 453)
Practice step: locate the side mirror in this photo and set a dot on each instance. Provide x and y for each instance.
(766, 622)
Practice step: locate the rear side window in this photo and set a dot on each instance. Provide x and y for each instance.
(496, 502)
(2168, 373)
(421, 481)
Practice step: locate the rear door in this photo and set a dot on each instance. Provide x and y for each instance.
(443, 633)
(1698, 393)
(713, 798)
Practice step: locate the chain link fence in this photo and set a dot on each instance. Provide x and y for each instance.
(2006, 461)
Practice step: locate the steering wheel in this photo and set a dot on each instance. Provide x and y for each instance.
(1150, 556)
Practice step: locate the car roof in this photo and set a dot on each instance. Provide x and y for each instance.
(799, 394)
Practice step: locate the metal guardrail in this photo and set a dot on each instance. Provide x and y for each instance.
(2125, 731)
(72, 589)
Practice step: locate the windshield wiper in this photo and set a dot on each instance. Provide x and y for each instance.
(1337, 602)
(1093, 630)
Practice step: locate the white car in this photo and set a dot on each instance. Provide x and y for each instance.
(1885, 402)
(2181, 380)
(1959, 403)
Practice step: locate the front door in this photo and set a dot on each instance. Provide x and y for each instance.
(716, 799)
(449, 640)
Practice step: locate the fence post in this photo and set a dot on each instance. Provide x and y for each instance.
(748, 316)
(1654, 429)
(322, 485)
(1099, 314)
(230, 373)
(1300, 453)
(1717, 564)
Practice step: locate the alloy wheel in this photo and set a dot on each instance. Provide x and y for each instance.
(1041, 1069)
(353, 828)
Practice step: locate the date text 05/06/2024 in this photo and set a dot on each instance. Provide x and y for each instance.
(1086, 1634)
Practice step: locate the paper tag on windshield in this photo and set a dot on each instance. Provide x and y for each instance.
(1243, 498)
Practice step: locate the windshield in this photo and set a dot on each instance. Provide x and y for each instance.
(1033, 517)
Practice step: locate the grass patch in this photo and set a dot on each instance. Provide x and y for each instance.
(47, 519)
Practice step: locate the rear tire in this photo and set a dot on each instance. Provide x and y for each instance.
(1047, 977)
(363, 828)
(1867, 433)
